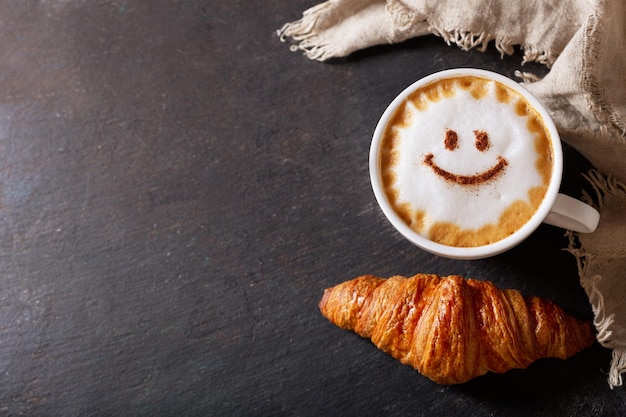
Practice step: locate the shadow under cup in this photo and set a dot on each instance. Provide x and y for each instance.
(543, 210)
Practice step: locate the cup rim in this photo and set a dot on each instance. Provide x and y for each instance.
(475, 252)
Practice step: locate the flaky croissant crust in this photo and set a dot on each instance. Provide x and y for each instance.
(453, 329)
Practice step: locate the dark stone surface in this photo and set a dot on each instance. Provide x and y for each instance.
(178, 188)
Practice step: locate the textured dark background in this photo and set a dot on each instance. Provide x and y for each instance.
(177, 188)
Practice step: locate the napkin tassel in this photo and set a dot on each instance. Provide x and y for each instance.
(604, 186)
(336, 28)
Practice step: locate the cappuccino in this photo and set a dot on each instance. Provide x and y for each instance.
(465, 161)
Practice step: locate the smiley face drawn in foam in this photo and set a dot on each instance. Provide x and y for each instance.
(465, 162)
(482, 144)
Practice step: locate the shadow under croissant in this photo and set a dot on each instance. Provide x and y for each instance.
(546, 384)
(452, 329)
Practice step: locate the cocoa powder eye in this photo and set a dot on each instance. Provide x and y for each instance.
(482, 140)
(451, 140)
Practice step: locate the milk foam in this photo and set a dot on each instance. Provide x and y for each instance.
(429, 197)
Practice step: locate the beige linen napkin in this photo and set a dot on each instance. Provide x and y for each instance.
(582, 41)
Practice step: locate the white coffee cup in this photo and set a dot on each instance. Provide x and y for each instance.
(555, 209)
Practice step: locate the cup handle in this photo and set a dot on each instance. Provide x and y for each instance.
(571, 214)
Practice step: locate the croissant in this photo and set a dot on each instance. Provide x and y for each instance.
(453, 329)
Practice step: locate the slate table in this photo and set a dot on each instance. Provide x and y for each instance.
(177, 189)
